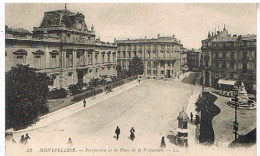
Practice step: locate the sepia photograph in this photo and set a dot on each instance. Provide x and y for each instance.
(112, 79)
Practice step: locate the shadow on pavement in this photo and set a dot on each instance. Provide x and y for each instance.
(191, 79)
(245, 140)
(208, 112)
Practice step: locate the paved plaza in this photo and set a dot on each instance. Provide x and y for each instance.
(151, 107)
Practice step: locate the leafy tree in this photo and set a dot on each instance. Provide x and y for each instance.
(58, 93)
(93, 82)
(136, 66)
(75, 88)
(26, 95)
(103, 80)
(119, 70)
(113, 78)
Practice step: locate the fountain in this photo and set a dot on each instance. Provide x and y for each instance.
(243, 101)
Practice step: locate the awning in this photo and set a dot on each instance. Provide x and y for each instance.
(226, 82)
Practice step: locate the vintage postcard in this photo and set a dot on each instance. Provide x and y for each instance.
(130, 79)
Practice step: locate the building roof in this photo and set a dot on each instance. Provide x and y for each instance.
(183, 116)
(17, 30)
(61, 18)
(170, 39)
(226, 82)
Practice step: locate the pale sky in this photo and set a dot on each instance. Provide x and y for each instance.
(189, 22)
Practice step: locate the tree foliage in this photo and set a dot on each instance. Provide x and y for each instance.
(94, 82)
(58, 93)
(136, 67)
(75, 88)
(26, 95)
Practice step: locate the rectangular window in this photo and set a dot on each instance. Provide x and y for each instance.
(37, 56)
(19, 56)
(78, 54)
(154, 71)
(103, 58)
(108, 58)
(53, 56)
(162, 72)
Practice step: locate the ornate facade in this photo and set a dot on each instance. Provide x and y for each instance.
(193, 59)
(63, 47)
(230, 58)
(161, 55)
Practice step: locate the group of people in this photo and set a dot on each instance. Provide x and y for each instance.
(24, 139)
(197, 118)
(132, 131)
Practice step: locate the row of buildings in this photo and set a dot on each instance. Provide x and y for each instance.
(69, 52)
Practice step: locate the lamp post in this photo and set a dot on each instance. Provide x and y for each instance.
(235, 126)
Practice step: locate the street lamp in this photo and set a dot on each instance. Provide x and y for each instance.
(235, 126)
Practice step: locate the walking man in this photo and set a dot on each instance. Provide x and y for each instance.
(22, 139)
(163, 145)
(84, 103)
(26, 138)
(70, 142)
(117, 132)
(191, 116)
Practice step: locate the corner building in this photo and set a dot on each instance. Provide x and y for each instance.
(161, 55)
(229, 59)
(63, 47)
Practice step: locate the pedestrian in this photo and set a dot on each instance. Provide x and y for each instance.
(70, 142)
(191, 116)
(22, 139)
(84, 103)
(26, 138)
(196, 119)
(117, 131)
(178, 77)
(13, 141)
(132, 135)
(163, 145)
(139, 80)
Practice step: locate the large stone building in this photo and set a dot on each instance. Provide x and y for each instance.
(193, 59)
(63, 47)
(161, 55)
(228, 59)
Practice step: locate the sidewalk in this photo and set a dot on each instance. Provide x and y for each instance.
(74, 108)
(193, 129)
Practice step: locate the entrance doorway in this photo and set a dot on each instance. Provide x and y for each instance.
(168, 73)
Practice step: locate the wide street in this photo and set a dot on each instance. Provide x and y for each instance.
(151, 108)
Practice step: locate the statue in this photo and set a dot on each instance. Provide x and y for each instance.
(242, 94)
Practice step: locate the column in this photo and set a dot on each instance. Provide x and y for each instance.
(47, 57)
(145, 68)
(158, 68)
(74, 54)
(64, 57)
(85, 57)
(151, 68)
(165, 68)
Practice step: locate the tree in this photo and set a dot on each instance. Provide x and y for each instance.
(119, 70)
(136, 66)
(93, 82)
(26, 96)
(103, 80)
(75, 88)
